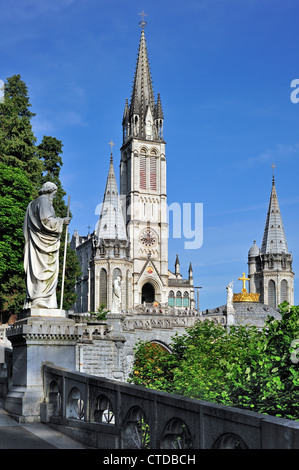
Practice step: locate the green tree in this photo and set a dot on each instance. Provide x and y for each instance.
(152, 367)
(49, 152)
(15, 192)
(17, 141)
(242, 366)
(20, 177)
(24, 167)
(273, 379)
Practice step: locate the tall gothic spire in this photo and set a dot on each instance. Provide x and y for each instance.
(274, 240)
(111, 223)
(143, 118)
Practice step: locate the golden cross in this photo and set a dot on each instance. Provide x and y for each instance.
(243, 279)
(111, 143)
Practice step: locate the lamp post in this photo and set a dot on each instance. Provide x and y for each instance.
(197, 287)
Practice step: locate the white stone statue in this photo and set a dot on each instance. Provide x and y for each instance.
(116, 296)
(42, 231)
(229, 298)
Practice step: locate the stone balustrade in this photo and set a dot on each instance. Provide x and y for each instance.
(108, 414)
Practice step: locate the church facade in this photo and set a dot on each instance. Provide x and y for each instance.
(131, 238)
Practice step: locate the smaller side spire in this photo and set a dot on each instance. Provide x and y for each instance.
(190, 271)
(111, 224)
(274, 239)
(177, 266)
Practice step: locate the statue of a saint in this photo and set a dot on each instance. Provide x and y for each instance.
(116, 296)
(42, 231)
(229, 298)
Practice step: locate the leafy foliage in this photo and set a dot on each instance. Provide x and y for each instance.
(101, 313)
(24, 167)
(17, 141)
(15, 191)
(245, 367)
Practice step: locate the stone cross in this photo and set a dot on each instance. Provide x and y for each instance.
(142, 23)
(111, 144)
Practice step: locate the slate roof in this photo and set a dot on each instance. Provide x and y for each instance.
(274, 240)
(111, 222)
(251, 313)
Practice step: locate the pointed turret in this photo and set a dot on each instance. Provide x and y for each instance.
(126, 127)
(177, 265)
(159, 110)
(126, 110)
(190, 271)
(274, 240)
(111, 223)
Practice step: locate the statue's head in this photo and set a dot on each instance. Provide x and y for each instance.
(47, 188)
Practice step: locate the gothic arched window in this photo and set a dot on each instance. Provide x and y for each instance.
(142, 160)
(153, 173)
(171, 298)
(186, 299)
(272, 294)
(178, 299)
(103, 286)
(283, 290)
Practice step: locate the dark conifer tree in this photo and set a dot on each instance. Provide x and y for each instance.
(24, 167)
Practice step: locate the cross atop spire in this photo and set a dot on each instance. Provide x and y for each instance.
(111, 144)
(273, 166)
(142, 23)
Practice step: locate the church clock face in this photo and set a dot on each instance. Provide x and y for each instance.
(148, 237)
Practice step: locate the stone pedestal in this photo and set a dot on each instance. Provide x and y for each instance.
(115, 320)
(38, 339)
(230, 315)
(45, 312)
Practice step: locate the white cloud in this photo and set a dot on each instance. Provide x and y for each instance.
(18, 10)
(277, 154)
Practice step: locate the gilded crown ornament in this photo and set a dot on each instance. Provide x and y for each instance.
(245, 296)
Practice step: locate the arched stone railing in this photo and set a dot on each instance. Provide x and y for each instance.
(109, 414)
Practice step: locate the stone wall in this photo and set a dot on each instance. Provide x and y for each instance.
(106, 349)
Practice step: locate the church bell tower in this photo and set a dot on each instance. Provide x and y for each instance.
(270, 267)
(143, 184)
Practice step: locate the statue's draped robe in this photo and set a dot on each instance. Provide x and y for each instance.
(42, 230)
(116, 297)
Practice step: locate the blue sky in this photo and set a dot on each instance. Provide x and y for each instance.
(223, 69)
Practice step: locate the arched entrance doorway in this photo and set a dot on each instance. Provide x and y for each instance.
(148, 293)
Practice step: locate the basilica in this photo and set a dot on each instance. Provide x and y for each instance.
(130, 242)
